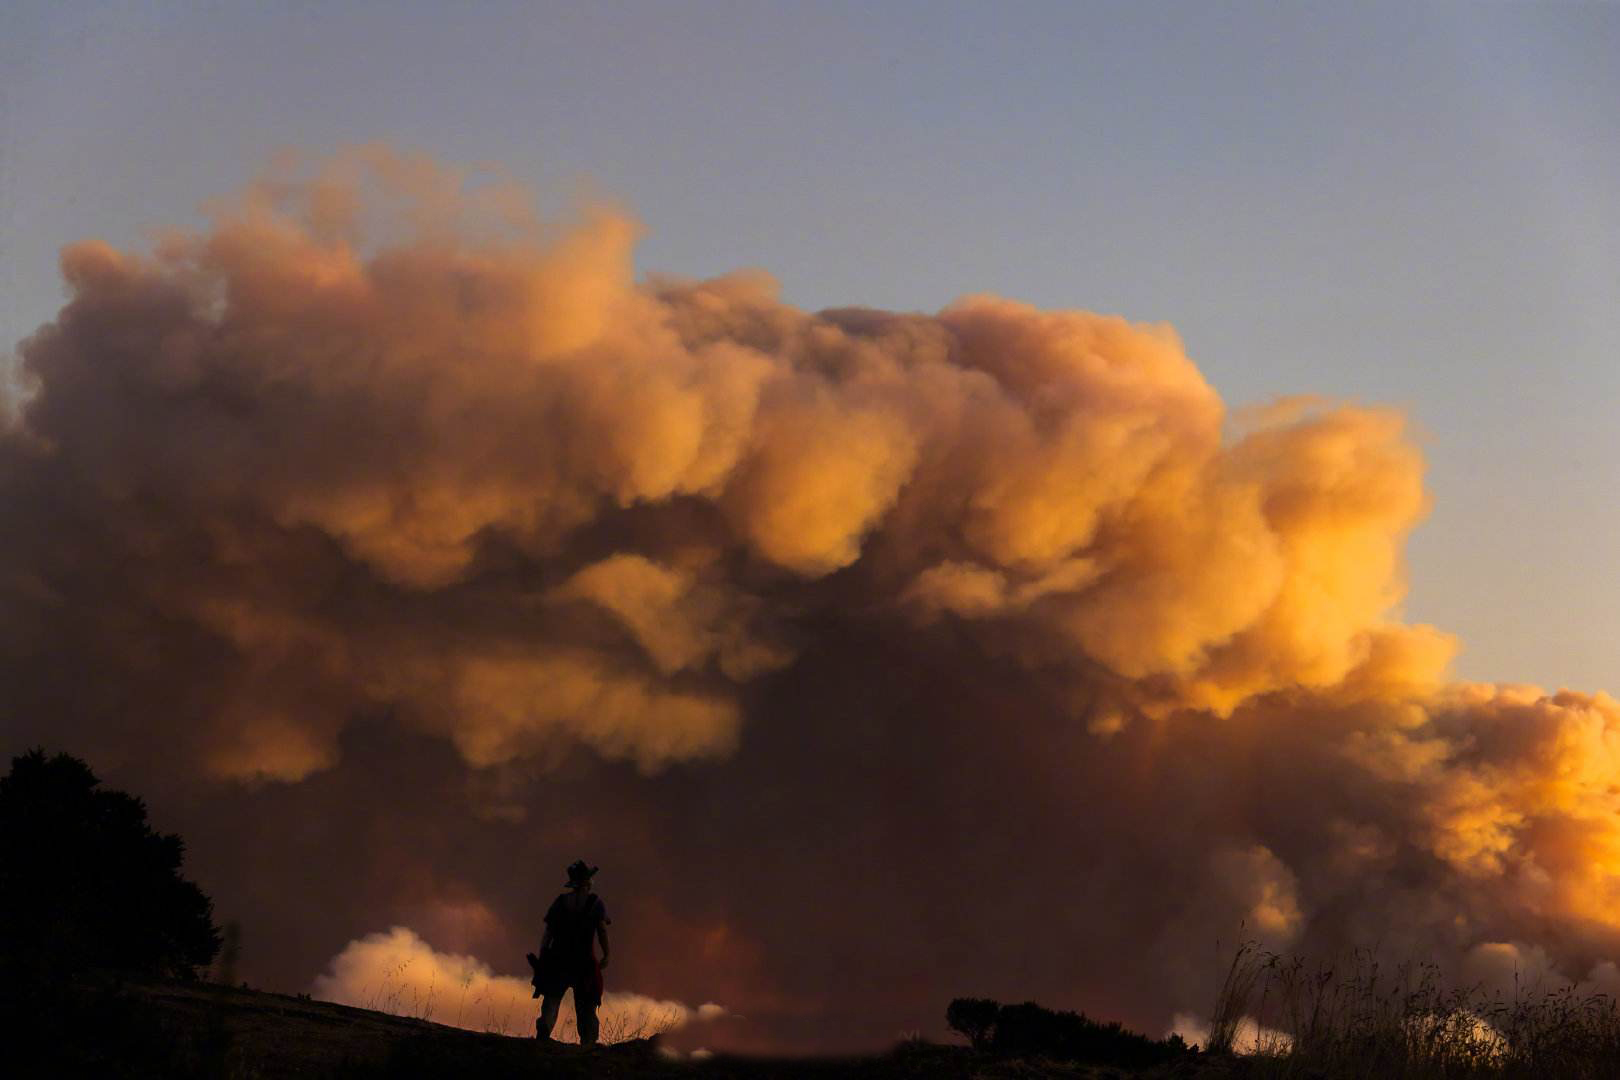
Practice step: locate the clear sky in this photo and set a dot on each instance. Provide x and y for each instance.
(1411, 203)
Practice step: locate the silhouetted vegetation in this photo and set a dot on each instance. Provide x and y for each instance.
(974, 1018)
(1030, 1031)
(85, 883)
(1361, 1018)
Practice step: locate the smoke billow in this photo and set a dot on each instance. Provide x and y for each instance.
(894, 656)
(399, 972)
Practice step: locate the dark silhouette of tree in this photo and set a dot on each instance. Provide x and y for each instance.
(974, 1018)
(86, 883)
(1030, 1031)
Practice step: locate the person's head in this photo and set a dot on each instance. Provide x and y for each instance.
(580, 874)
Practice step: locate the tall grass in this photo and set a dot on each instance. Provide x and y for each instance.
(1361, 1018)
(644, 1022)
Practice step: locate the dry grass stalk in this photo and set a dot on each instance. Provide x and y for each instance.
(1359, 1018)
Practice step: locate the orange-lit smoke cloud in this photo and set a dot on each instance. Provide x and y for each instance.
(398, 972)
(381, 446)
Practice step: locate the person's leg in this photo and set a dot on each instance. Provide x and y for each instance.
(585, 1014)
(547, 1020)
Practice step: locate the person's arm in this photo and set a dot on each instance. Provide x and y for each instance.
(601, 929)
(545, 937)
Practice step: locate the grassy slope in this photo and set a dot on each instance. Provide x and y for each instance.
(193, 1029)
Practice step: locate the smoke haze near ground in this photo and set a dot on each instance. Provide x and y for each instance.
(396, 971)
(402, 547)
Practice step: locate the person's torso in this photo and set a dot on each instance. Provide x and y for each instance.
(572, 921)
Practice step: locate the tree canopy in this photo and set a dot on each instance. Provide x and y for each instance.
(85, 882)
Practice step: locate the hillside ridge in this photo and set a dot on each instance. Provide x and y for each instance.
(195, 1029)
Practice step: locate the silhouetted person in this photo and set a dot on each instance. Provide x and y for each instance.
(567, 959)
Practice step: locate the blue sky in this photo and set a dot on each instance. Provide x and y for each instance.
(1414, 203)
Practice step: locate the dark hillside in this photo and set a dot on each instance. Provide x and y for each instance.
(189, 1029)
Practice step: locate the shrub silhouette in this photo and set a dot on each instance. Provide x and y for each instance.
(974, 1018)
(86, 883)
(1028, 1030)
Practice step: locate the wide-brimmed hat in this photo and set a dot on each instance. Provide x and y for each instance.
(579, 873)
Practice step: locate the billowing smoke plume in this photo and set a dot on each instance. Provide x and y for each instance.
(398, 972)
(893, 656)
